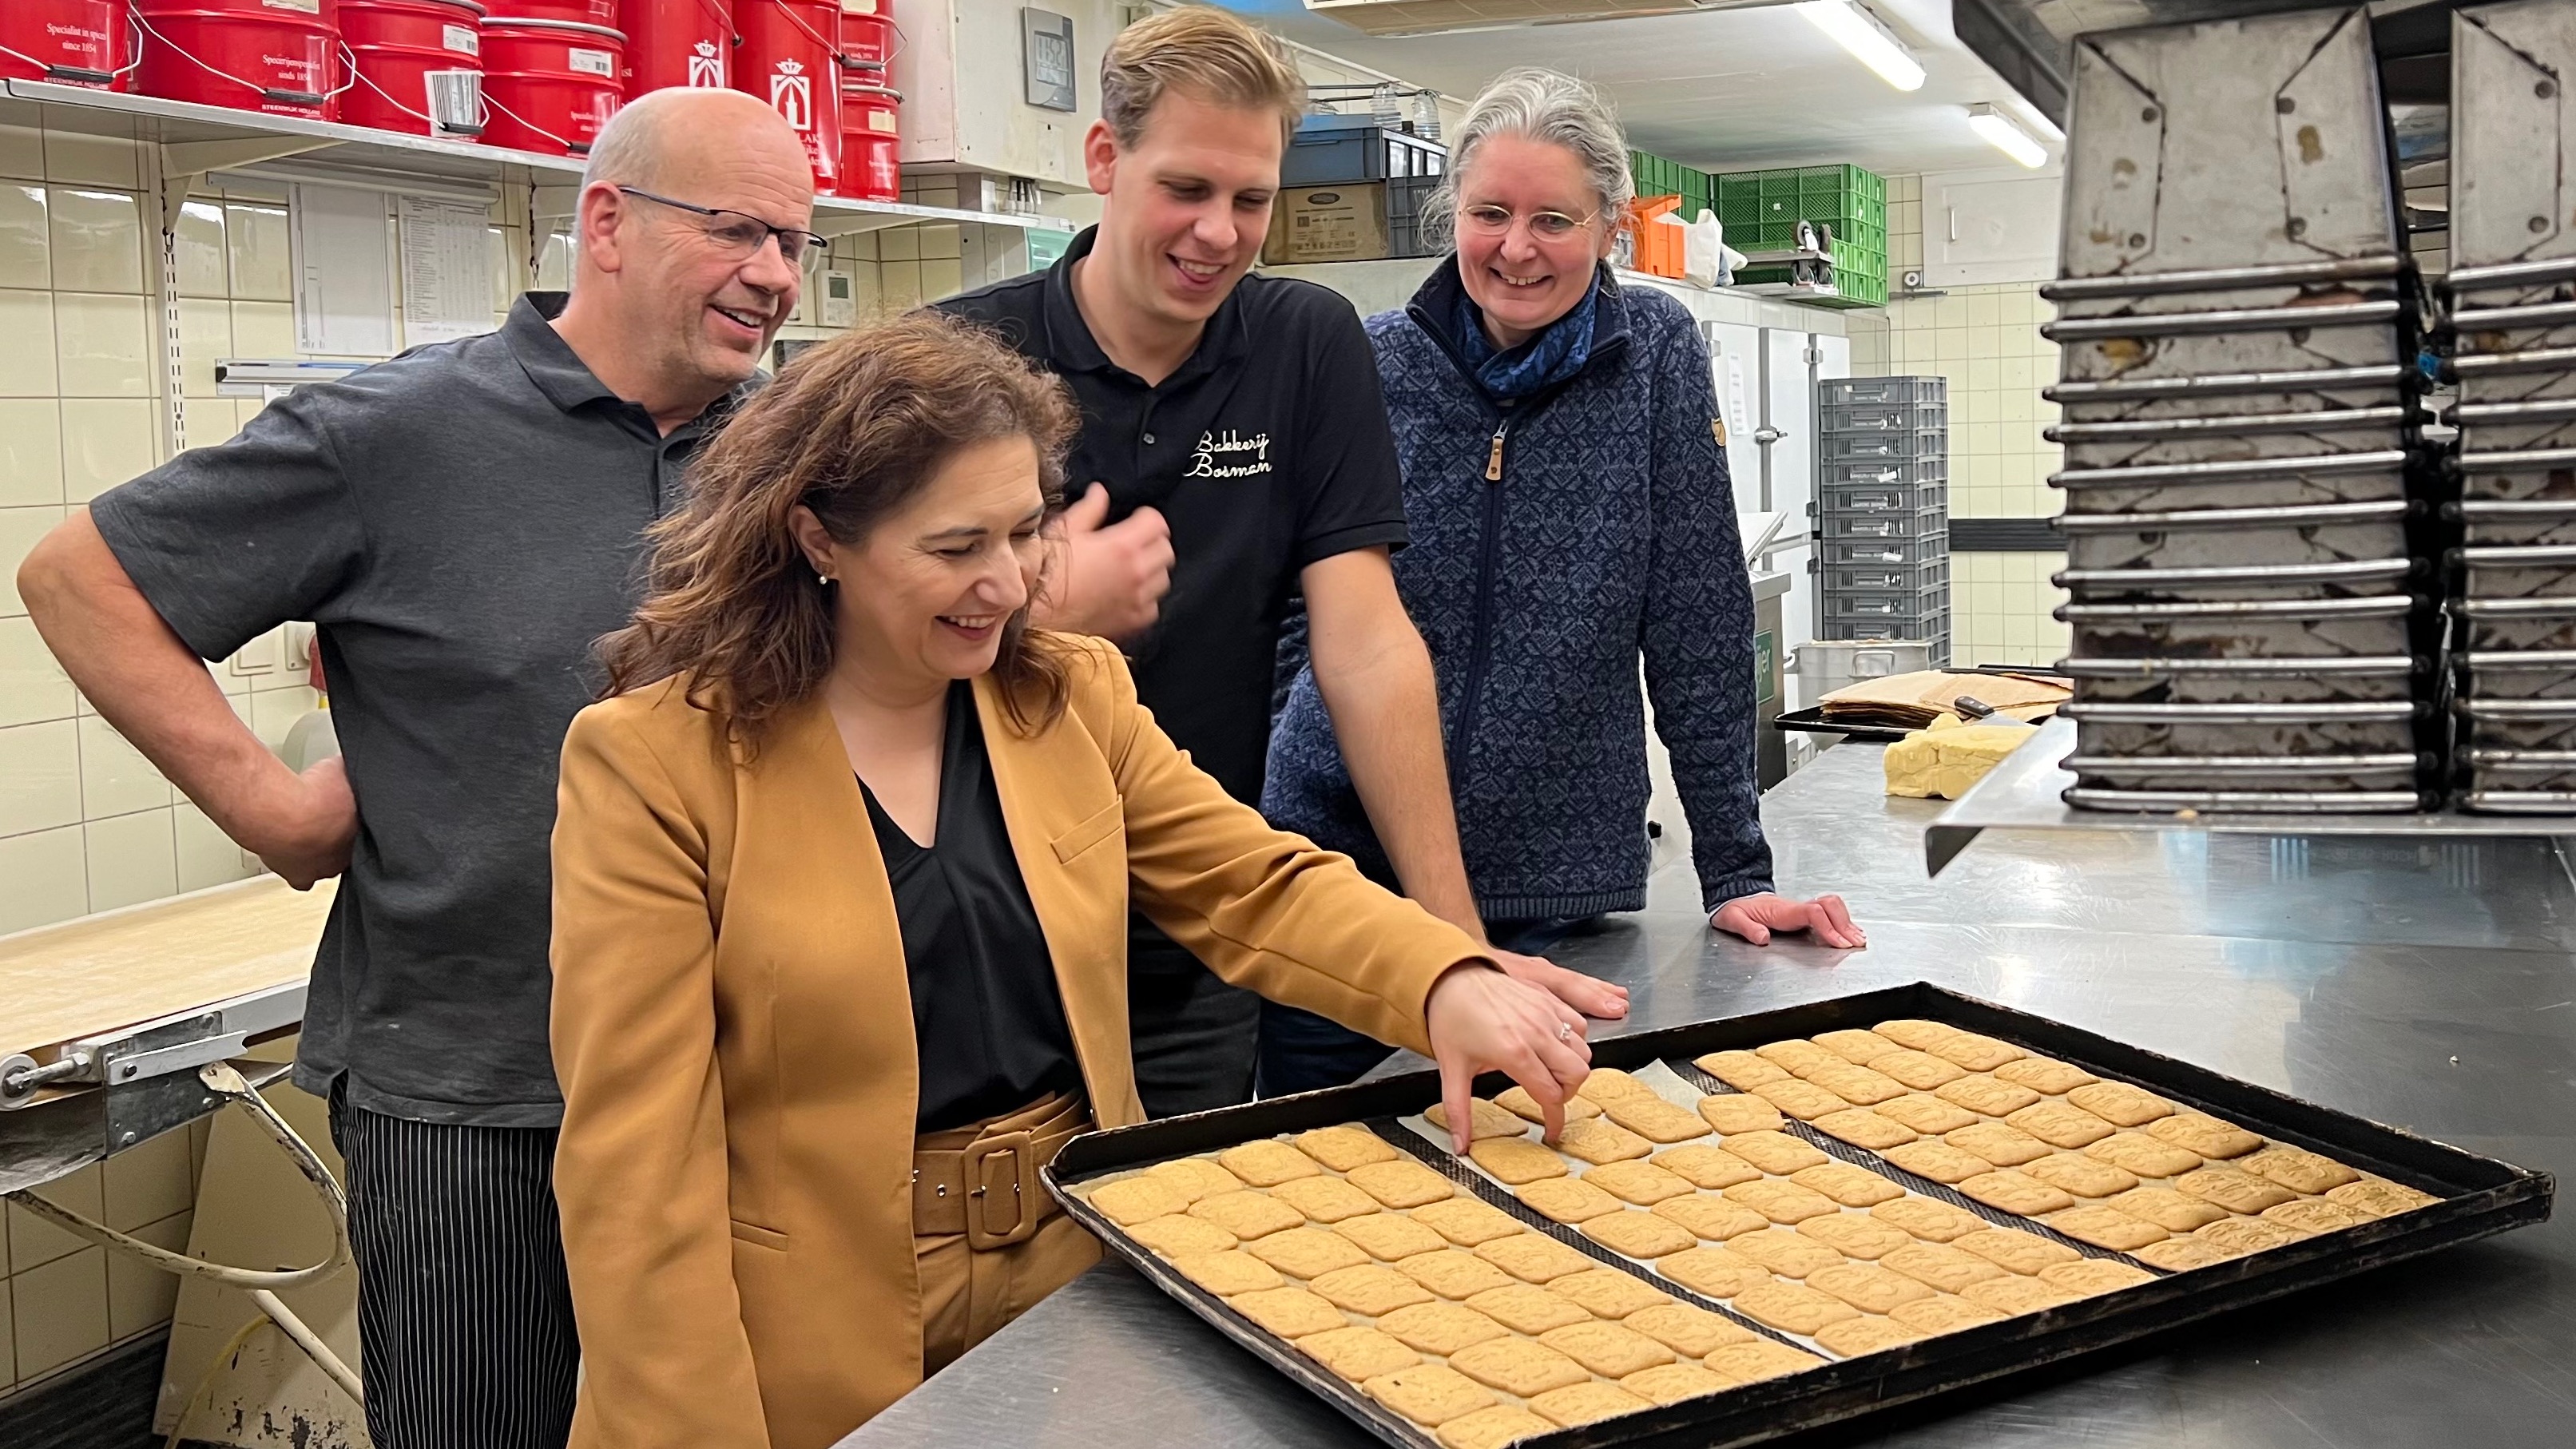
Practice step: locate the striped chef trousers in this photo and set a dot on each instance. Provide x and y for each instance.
(465, 1327)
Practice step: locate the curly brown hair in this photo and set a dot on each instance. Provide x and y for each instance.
(852, 429)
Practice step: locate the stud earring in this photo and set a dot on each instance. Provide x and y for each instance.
(822, 578)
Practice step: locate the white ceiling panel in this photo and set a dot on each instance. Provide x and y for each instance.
(1724, 90)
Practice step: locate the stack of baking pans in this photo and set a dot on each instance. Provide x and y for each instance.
(2243, 512)
(2512, 315)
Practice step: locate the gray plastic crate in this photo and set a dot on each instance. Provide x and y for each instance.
(1919, 443)
(1909, 606)
(1836, 391)
(1914, 549)
(1936, 633)
(1883, 417)
(1884, 470)
(1883, 498)
(1882, 525)
(1872, 578)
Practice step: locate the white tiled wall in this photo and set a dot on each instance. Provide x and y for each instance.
(86, 824)
(1985, 340)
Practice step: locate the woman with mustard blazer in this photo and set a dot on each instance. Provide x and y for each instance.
(841, 880)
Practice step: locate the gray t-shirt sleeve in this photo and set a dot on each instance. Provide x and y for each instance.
(231, 541)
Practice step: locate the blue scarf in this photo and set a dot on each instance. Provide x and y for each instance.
(1558, 352)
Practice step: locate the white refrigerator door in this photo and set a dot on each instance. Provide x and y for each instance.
(1789, 467)
(1735, 357)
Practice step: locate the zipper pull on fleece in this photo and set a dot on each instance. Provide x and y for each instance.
(1494, 459)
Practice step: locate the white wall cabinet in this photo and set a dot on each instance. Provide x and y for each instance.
(1985, 227)
(963, 102)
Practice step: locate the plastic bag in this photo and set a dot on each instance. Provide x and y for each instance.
(1706, 258)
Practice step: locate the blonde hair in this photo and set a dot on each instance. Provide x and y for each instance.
(1204, 53)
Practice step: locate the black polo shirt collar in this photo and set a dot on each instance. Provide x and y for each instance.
(1072, 348)
(570, 385)
(549, 361)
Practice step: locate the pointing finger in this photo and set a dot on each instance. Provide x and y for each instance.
(1455, 1077)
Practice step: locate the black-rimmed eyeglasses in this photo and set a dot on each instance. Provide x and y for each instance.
(739, 232)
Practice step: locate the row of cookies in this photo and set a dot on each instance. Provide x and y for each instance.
(2102, 1162)
(1442, 1308)
(1775, 1228)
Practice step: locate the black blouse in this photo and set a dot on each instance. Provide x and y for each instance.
(985, 1009)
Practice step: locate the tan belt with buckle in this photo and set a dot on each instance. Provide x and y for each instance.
(989, 1189)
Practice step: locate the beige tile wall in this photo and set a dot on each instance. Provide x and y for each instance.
(1985, 340)
(86, 824)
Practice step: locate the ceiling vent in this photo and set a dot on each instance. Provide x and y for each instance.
(1440, 17)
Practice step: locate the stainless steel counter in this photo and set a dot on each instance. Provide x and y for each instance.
(2427, 985)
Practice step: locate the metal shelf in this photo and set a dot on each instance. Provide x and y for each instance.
(195, 139)
(2023, 793)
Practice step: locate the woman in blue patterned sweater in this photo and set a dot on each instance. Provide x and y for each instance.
(1569, 509)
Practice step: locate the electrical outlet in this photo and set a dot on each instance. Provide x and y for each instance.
(257, 657)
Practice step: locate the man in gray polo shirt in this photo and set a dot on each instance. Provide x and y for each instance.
(460, 523)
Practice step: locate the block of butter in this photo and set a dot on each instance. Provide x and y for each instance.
(1946, 757)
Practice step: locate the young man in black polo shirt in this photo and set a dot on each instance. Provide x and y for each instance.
(461, 523)
(1233, 428)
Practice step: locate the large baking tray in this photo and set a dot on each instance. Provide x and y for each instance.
(2309, 774)
(2122, 728)
(2512, 376)
(2514, 571)
(2481, 1197)
(2492, 771)
(2491, 469)
(2148, 680)
(2515, 623)
(2250, 802)
(2521, 522)
(2303, 389)
(2517, 674)
(2289, 481)
(2342, 335)
(2126, 442)
(2236, 537)
(2244, 629)
(2252, 581)
(1812, 721)
(2517, 724)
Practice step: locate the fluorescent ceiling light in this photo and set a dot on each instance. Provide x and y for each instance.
(1856, 30)
(2004, 136)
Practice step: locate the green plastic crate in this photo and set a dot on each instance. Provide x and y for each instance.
(1854, 201)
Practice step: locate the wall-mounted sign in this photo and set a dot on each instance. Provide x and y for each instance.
(1046, 59)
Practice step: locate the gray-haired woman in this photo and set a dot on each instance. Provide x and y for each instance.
(1569, 507)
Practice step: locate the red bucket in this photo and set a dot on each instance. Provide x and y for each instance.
(867, 31)
(788, 58)
(550, 85)
(68, 42)
(678, 43)
(871, 143)
(281, 57)
(579, 12)
(398, 44)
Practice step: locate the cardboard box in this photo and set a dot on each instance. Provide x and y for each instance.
(1328, 224)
